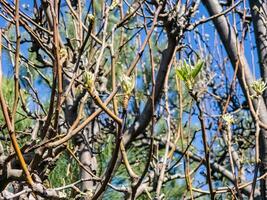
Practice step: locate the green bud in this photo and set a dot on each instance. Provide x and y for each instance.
(91, 17)
(63, 54)
(89, 79)
(113, 5)
(255, 8)
(188, 73)
(127, 84)
(228, 118)
(258, 86)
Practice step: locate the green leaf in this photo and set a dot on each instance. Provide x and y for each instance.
(187, 68)
(180, 74)
(197, 68)
(183, 71)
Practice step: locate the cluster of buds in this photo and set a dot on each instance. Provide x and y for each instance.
(63, 55)
(258, 86)
(127, 84)
(188, 73)
(228, 118)
(89, 79)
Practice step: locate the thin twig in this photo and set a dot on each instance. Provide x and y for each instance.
(10, 128)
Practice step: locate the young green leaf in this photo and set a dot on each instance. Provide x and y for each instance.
(197, 68)
(188, 73)
(180, 74)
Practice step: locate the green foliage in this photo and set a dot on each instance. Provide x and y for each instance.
(70, 29)
(65, 172)
(21, 123)
(8, 92)
(106, 153)
(174, 190)
(7, 88)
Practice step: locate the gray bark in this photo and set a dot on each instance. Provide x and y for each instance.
(230, 42)
(259, 11)
(82, 140)
(88, 159)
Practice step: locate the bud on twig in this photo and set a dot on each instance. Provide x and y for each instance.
(127, 84)
(188, 73)
(228, 118)
(258, 86)
(89, 79)
(63, 55)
